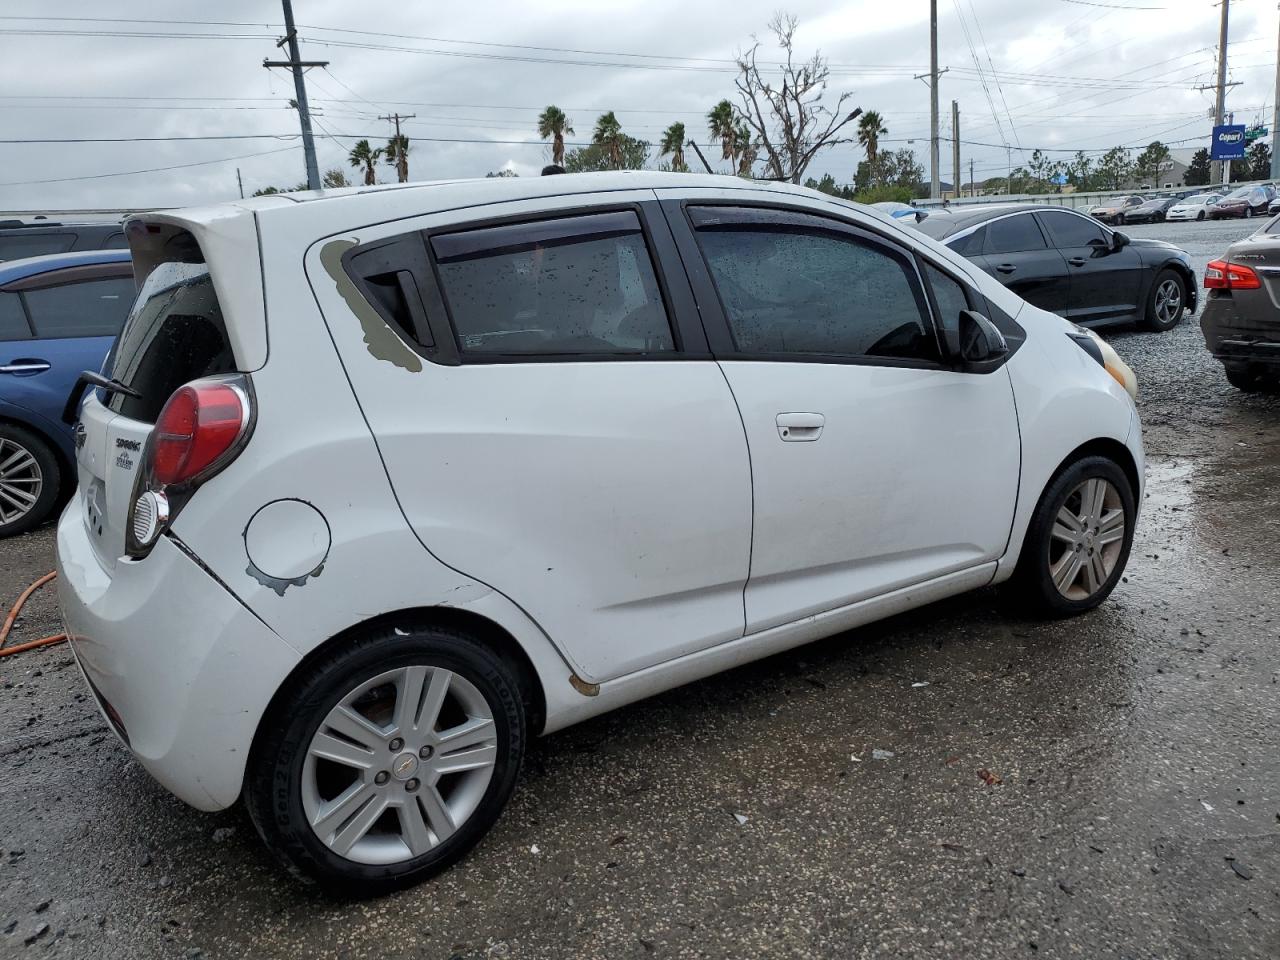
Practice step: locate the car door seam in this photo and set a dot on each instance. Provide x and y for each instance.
(751, 485)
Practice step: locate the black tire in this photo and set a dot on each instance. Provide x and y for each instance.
(1150, 318)
(50, 470)
(1032, 582)
(1248, 213)
(273, 779)
(1200, 215)
(1245, 378)
(1120, 220)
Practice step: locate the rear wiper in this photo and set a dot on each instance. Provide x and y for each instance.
(90, 379)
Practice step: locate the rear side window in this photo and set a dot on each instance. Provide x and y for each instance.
(1069, 230)
(791, 288)
(175, 334)
(35, 245)
(1014, 235)
(970, 244)
(577, 285)
(13, 321)
(116, 241)
(91, 308)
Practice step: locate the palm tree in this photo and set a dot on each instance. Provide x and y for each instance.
(870, 129)
(673, 143)
(745, 150)
(720, 122)
(398, 156)
(363, 155)
(608, 134)
(553, 123)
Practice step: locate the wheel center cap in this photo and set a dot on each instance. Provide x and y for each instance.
(404, 766)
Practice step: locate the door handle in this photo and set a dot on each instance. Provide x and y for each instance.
(1006, 268)
(799, 427)
(25, 366)
(1076, 261)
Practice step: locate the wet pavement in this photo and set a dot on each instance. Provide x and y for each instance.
(1102, 787)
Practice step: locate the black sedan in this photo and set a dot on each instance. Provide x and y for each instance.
(1241, 322)
(1150, 211)
(1064, 261)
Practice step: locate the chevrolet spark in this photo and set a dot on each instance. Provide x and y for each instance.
(384, 482)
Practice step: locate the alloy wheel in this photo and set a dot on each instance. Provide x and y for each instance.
(399, 764)
(1168, 301)
(1087, 539)
(21, 481)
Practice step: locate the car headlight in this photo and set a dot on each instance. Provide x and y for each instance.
(1107, 358)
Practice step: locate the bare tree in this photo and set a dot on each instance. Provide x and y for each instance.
(788, 120)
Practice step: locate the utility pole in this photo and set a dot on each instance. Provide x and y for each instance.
(955, 145)
(1221, 103)
(239, 183)
(402, 162)
(701, 157)
(1226, 164)
(973, 187)
(935, 187)
(1275, 118)
(296, 63)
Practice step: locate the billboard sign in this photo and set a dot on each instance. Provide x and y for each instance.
(1228, 142)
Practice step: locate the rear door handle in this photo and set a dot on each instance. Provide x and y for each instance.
(1006, 268)
(25, 365)
(798, 427)
(1077, 261)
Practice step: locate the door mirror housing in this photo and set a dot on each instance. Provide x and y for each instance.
(979, 340)
(1119, 240)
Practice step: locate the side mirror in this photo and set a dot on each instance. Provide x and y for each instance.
(980, 341)
(1119, 240)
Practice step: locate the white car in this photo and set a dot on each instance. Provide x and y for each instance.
(1192, 208)
(387, 481)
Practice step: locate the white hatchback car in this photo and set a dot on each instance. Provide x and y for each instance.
(1195, 207)
(386, 481)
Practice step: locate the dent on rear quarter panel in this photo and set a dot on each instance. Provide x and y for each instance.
(382, 341)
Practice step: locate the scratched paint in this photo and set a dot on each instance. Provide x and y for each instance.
(382, 341)
(278, 584)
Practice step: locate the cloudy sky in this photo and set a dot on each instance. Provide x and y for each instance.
(1056, 74)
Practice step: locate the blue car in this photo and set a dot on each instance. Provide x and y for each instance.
(59, 316)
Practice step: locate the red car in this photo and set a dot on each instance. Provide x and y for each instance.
(1242, 202)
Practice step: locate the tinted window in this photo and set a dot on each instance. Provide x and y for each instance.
(13, 321)
(581, 285)
(804, 290)
(115, 242)
(1013, 234)
(949, 295)
(35, 245)
(91, 308)
(1069, 230)
(174, 335)
(971, 244)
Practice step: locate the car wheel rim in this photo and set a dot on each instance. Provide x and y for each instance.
(20, 481)
(1168, 301)
(399, 764)
(1087, 539)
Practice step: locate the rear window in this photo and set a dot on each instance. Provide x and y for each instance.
(13, 321)
(1014, 234)
(175, 334)
(35, 245)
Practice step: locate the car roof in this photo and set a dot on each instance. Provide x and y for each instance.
(11, 270)
(968, 216)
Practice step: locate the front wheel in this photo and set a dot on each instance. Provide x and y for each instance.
(1200, 215)
(1078, 541)
(386, 760)
(1244, 378)
(29, 480)
(1166, 302)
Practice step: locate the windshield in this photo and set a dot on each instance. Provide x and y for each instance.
(1238, 194)
(1199, 198)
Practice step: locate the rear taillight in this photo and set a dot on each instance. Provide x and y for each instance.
(1224, 275)
(197, 427)
(201, 429)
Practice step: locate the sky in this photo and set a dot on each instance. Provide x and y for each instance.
(1060, 75)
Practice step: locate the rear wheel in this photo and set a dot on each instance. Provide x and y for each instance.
(1248, 213)
(1166, 302)
(1078, 541)
(1245, 378)
(29, 480)
(387, 760)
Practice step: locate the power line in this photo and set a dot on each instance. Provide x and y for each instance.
(130, 173)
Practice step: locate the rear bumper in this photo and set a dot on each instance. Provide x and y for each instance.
(180, 668)
(1233, 337)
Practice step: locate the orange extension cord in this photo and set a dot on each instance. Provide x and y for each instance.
(13, 615)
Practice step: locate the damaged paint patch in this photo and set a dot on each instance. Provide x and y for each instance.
(382, 341)
(276, 583)
(584, 688)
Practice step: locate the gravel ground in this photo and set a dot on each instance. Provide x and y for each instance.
(1136, 812)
